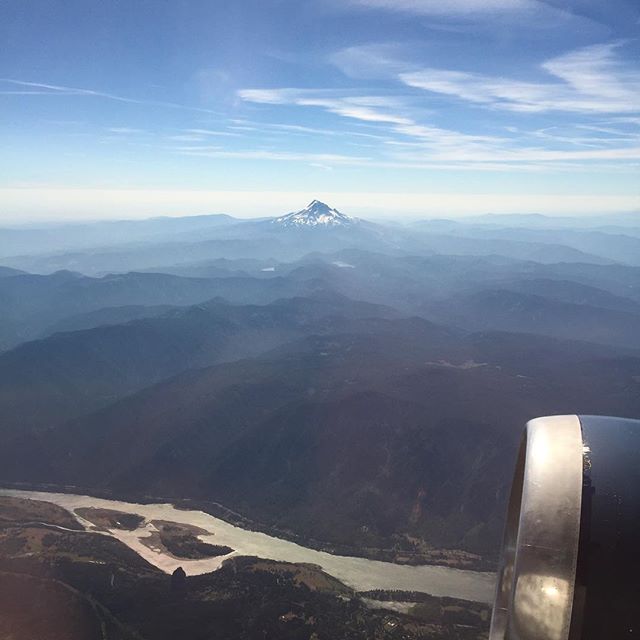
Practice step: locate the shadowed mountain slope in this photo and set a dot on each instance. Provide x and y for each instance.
(46, 381)
(355, 439)
(514, 311)
(33, 304)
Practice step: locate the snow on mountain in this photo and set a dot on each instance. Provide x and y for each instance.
(316, 214)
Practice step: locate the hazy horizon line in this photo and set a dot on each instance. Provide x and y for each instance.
(47, 205)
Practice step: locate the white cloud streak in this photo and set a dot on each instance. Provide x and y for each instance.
(365, 108)
(127, 130)
(494, 14)
(416, 145)
(211, 132)
(326, 159)
(449, 7)
(41, 88)
(288, 129)
(590, 80)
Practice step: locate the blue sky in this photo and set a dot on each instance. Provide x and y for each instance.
(384, 107)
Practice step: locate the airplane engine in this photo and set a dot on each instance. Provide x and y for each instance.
(570, 563)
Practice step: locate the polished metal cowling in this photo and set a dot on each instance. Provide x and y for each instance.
(570, 566)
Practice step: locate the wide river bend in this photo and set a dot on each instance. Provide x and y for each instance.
(360, 574)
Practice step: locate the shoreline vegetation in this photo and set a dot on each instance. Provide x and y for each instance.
(95, 579)
(181, 541)
(450, 558)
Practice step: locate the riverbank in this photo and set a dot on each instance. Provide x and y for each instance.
(451, 558)
(361, 574)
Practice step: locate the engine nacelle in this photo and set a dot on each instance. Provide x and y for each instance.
(570, 565)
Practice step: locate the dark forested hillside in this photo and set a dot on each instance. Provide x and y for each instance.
(403, 428)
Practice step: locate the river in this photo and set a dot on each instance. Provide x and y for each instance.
(360, 574)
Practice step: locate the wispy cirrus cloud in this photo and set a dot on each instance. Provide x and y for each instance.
(365, 108)
(213, 132)
(45, 89)
(360, 107)
(414, 140)
(448, 7)
(32, 92)
(288, 129)
(201, 135)
(326, 159)
(127, 130)
(588, 80)
(421, 157)
(371, 61)
(525, 154)
(436, 143)
(451, 15)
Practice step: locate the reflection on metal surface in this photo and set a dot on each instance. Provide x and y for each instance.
(542, 606)
(570, 567)
(534, 596)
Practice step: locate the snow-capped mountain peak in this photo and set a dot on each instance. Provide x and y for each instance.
(316, 214)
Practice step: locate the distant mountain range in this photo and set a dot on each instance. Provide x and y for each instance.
(34, 305)
(604, 300)
(165, 243)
